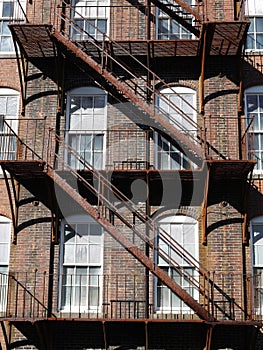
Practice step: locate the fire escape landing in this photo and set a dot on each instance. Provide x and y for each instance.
(41, 45)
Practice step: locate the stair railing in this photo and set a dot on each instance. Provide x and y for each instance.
(21, 300)
(200, 280)
(142, 89)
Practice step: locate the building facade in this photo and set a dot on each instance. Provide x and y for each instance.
(131, 211)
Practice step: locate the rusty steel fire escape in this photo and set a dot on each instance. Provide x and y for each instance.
(213, 302)
(99, 58)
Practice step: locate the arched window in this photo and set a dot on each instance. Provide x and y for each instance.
(254, 111)
(184, 230)
(5, 237)
(86, 125)
(9, 105)
(168, 157)
(81, 264)
(257, 261)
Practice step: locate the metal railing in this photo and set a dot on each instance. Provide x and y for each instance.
(148, 232)
(157, 103)
(143, 229)
(139, 84)
(235, 10)
(24, 295)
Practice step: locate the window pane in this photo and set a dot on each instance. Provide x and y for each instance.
(102, 26)
(259, 24)
(259, 41)
(12, 106)
(4, 254)
(98, 142)
(95, 254)
(81, 254)
(8, 8)
(252, 103)
(5, 30)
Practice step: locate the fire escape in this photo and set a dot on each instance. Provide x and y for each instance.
(110, 62)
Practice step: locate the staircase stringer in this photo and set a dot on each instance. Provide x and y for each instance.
(189, 9)
(129, 246)
(157, 120)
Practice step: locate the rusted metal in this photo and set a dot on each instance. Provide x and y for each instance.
(12, 202)
(168, 9)
(204, 208)
(189, 9)
(135, 251)
(209, 336)
(156, 120)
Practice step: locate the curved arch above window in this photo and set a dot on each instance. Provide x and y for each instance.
(87, 90)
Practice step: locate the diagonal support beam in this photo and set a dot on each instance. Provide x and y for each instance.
(129, 246)
(189, 9)
(194, 150)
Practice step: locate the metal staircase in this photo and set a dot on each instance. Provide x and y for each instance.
(112, 204)
(182, 12)
(98, 55)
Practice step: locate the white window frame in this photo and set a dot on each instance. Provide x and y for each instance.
(255, 266)
(254, 9)
(95, 11)
(258, 91)
(4, 264)
(164, 222)
(93, 131)
(184, 163)
(80, 220)
(17, 15)
(160, 15)
(12, 120)
(254, 34)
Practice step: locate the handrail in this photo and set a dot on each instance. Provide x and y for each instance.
(105, 206)
(142, 88)
(152, 227)
(27, 291)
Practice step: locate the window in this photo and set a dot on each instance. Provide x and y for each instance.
(86, 124)
(257, 261)
(168, 28)
(184, 230)
(92, 17)
(5, 236)
(255, 34)
(254, 111)
(255, 31)
(168, 157)
(9, 103)
(81, 265)
(9, 10)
